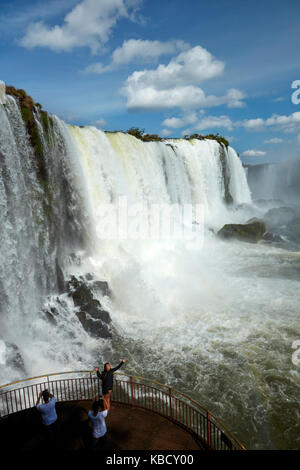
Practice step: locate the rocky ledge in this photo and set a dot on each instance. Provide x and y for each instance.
(251, 232)
(91, 314)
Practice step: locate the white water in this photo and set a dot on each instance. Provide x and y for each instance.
(217, 323)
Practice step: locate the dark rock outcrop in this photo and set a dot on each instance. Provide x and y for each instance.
(93, 317)
(51, 315)
(272, 237)
(61, 285)
(13, 357)
(226, 176)
(250, 232)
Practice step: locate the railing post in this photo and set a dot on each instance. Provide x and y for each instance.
(92, 386)
(208, 429)
(170, 403)
(131, 389)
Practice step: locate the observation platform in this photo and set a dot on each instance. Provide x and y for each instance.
(144, 415)
(127, 429)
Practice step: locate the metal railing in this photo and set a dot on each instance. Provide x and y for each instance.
(134, 391)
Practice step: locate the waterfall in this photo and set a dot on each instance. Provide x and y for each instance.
(171, 172)
(41, 221)
(50, 199)
(275, 180)
(216, 321)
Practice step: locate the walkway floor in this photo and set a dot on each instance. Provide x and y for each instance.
(128, 429)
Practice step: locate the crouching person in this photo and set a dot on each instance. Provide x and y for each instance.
(97, 416)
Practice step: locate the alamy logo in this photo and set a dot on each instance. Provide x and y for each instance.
(296, 95)
(165, 222)
(296, 354)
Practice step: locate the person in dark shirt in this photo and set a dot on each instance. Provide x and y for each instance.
(107, 377)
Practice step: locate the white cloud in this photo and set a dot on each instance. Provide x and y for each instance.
(100, 123)
(18, 18)
(166, 132)
(287, 123)
(88, 24)
(192, 66)
(143, 49)
(199, 123)
(150, 98)
(253, 153)
(211, 122)
(254, 124)
(137, 50)
(175, 84)
(177, 123)
(275, 140)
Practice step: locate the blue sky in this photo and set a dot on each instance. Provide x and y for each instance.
(172, 67)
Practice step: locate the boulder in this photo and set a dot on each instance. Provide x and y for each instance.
(279, 216)
(93, 317)
(272, 237)
(96, 328)
(250, 232)
(50, 315)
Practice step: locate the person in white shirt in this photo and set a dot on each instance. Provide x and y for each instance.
(97, 416)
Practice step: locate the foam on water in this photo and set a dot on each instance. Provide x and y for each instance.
(217, 322)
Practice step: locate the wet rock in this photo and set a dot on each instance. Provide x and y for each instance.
(226, 176)
(50, 315)
(96, 328)
(272, 237)
(93, 317)
(103, 287)
(61, 285)
(250, 232)
(279, 216)
(13, 357)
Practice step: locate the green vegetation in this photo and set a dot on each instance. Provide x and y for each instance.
(216, 137)
(140, 134)
(28, 109)
(47, 123)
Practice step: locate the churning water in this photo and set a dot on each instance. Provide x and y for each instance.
(216, 322)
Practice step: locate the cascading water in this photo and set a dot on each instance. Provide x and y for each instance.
(41, 224)
(216, 322)
(276, 180)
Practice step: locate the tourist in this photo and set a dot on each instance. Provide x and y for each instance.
(97, 416)
(107, 378)
(48, 413)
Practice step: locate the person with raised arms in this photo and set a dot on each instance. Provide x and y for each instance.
(107, 377)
